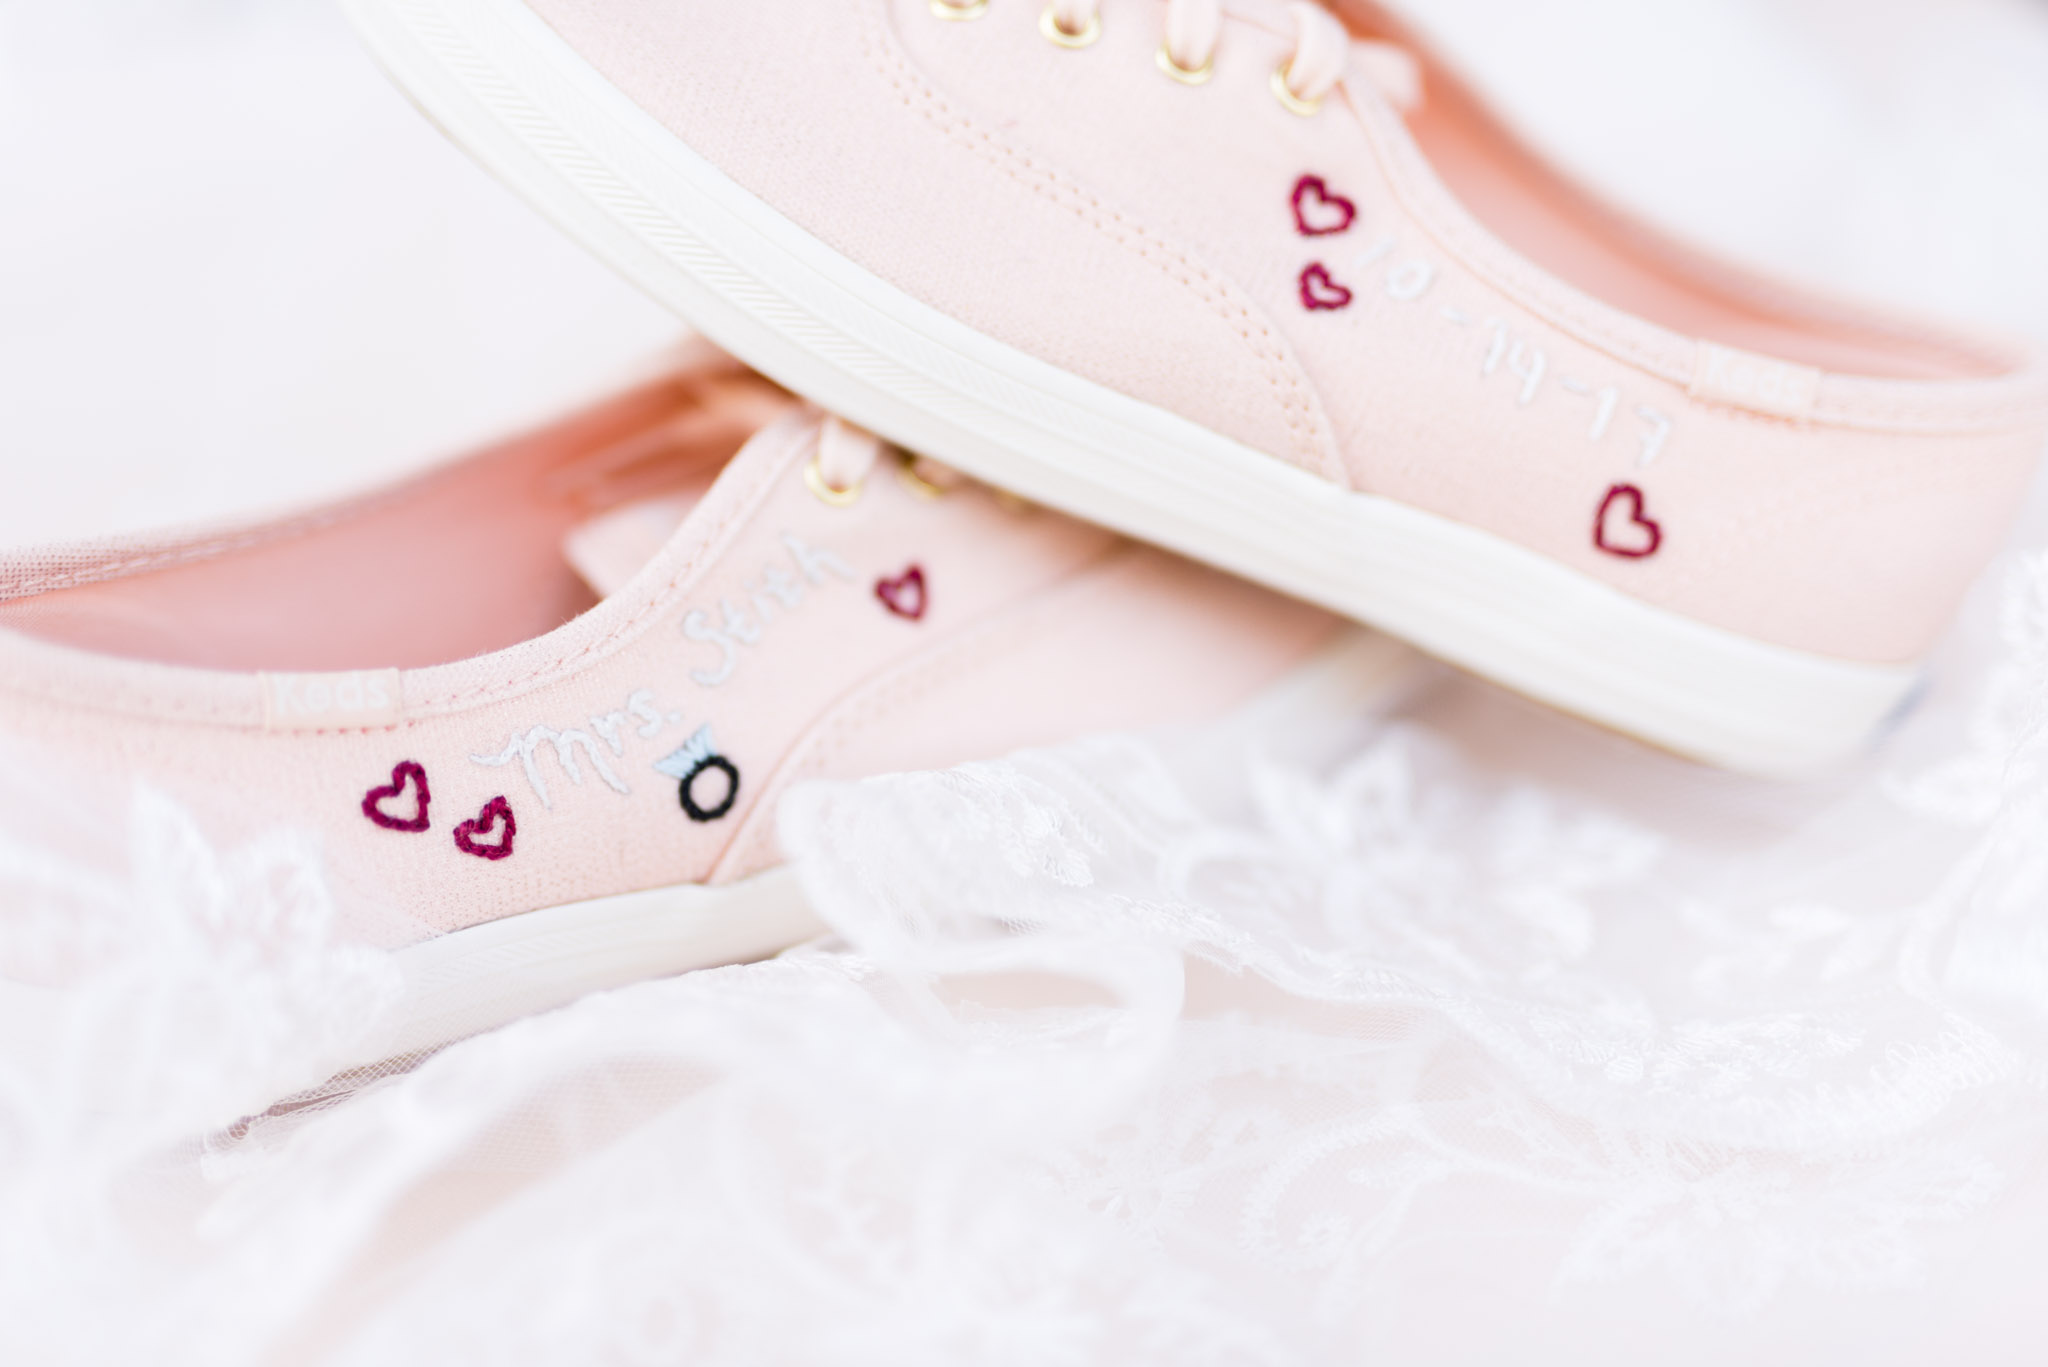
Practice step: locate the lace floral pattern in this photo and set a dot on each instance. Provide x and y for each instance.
(1189, 1050)
(146, 1008)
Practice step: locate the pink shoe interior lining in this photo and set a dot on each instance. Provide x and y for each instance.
(1633, 268)
(456, 564)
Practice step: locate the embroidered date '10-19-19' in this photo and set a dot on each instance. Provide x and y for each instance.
(1332, 284)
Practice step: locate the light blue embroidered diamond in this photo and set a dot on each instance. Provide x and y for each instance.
(684, 762)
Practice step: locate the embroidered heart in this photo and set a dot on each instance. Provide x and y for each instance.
(1319, 291)
(495, 811)
(1317, 212)
(407, 772)
(904, 595)
(1622, 529)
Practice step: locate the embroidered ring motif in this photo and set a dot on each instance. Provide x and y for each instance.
(1318, 212)
(724, 808)
(1320, 292)
(1623, 528)
(904, 595)
(497, 811)
(402, 773)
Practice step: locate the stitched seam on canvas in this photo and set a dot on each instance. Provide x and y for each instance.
(843, 722)
(208, 543)
(94, 572)
(1453, 237)
(1313, 444)
(714, 544)
(909, 680)
(744, 508)
(1762, 525)
(1469, 248)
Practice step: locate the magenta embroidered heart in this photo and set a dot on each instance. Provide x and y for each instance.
(497, 812)
(1623, 528)
(1317, 212)
(407, 773)
(904, 595)
(1319, 291)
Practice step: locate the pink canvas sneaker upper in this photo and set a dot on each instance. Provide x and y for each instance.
(1315, 242)
(586, 662)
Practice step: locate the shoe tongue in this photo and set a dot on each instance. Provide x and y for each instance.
(612, 547)
(1394, 70)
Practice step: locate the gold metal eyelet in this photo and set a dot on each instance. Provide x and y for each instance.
(1284, 92)
(967, 9)
(906, 470)
(814, 479)
(1198, 76)
(1049, 25)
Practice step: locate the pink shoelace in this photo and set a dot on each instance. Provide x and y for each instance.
(846, 455)
(1194, 32)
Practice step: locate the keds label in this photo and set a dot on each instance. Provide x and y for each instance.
(361, 700)
(1758, 383)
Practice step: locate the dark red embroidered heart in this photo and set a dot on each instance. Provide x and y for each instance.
(495, 811)
(1622, 528)
(406, 772)
(904, 595)
(1319, 291)
(1317, 212)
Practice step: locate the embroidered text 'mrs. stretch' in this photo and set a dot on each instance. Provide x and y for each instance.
(776, 591)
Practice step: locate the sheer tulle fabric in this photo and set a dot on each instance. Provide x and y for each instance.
(1465, 1031)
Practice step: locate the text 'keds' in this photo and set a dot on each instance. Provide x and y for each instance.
(358, 700)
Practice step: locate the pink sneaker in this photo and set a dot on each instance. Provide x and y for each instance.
(1240, 282)
(505, 754)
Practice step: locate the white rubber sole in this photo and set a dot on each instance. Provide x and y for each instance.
(508, 89)
(486, 976)
(489, 975)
